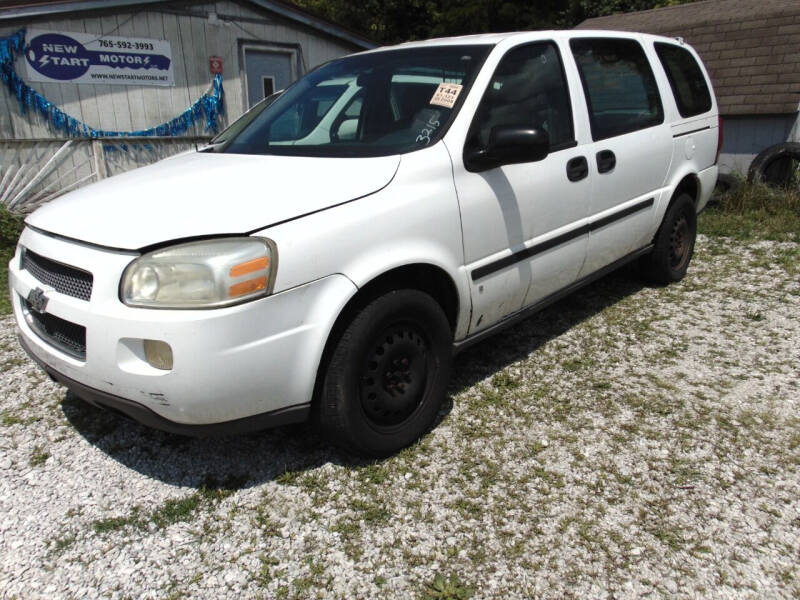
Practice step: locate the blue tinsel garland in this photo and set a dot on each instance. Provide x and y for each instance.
(209, 105)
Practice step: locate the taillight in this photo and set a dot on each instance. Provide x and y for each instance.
(720, 137)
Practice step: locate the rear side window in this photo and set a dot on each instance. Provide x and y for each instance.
(686, 79)
(621, 90)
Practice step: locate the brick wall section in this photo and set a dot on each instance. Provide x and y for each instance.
(750, 48)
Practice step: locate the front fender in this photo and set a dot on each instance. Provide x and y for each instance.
(414, 220)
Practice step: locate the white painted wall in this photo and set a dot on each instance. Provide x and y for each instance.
(193, 37)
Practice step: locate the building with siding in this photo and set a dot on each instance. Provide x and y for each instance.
(752, 52)
(256, 46)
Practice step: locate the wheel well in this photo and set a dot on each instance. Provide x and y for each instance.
(689, 185)
(424, 277)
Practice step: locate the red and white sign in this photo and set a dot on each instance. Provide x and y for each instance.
(215, 65)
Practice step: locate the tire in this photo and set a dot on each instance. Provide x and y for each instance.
(776, 165)
(674, 243)
(387, 375)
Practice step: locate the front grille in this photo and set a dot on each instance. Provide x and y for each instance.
(68, 337)
(62, 278)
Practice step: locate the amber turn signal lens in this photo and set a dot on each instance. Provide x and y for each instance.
(247, 287)
(251, 266)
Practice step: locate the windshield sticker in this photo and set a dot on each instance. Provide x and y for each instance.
(446, 94)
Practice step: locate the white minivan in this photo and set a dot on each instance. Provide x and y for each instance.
(327, 255)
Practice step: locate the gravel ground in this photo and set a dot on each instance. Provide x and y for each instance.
(628, 442)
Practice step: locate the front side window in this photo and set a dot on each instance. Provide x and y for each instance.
(373, 104)
(620, 88)
(686, 79)
(528, 89)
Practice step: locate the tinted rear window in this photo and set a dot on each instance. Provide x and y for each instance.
(686, 78)
(620, 88)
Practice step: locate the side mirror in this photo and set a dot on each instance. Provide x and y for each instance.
(509, 144)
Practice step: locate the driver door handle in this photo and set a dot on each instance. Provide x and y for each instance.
(577, 168)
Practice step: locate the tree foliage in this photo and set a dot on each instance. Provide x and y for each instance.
(393, 21)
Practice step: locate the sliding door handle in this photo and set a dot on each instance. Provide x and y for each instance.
(606, 161)
(577, 168)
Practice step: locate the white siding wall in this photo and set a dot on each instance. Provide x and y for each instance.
(193, 40)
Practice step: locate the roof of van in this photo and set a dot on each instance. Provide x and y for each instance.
(749, 48)
(496, 38)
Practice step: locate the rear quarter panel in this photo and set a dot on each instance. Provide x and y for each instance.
(694, 138)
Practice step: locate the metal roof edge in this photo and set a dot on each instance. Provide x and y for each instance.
(319, 23)
(278, 8)
(39, 10)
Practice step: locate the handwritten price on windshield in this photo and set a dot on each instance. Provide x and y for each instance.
(426, 132)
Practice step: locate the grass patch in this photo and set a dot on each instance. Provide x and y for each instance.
(62, 543)
(289, 477)
(754, 211)
(370, 512)
(503, 381)
(174, 510)
(8, 418)
(446, 589)
(39, 457)
(102, 526)
(10, 228)
(374, 473)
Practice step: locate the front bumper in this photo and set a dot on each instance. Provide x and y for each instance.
(230, 364)
(145, 416)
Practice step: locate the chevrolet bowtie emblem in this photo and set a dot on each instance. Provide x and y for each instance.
(37, 300)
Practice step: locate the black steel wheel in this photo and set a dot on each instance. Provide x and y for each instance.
(679, 243)
(387, 375)
(395, 374)
(673, 246)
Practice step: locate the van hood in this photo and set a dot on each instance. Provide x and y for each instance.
(201, 194)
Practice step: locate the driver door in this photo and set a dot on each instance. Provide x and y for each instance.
(523, 224)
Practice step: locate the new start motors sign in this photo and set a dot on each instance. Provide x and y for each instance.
(54, 57)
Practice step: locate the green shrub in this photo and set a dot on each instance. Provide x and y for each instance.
(755, 210)
(10, 228)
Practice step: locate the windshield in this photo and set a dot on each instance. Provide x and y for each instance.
(373, 104)
(233, 130)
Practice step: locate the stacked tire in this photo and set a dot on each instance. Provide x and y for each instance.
(778, 165)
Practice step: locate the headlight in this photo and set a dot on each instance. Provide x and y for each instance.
(204, 274)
